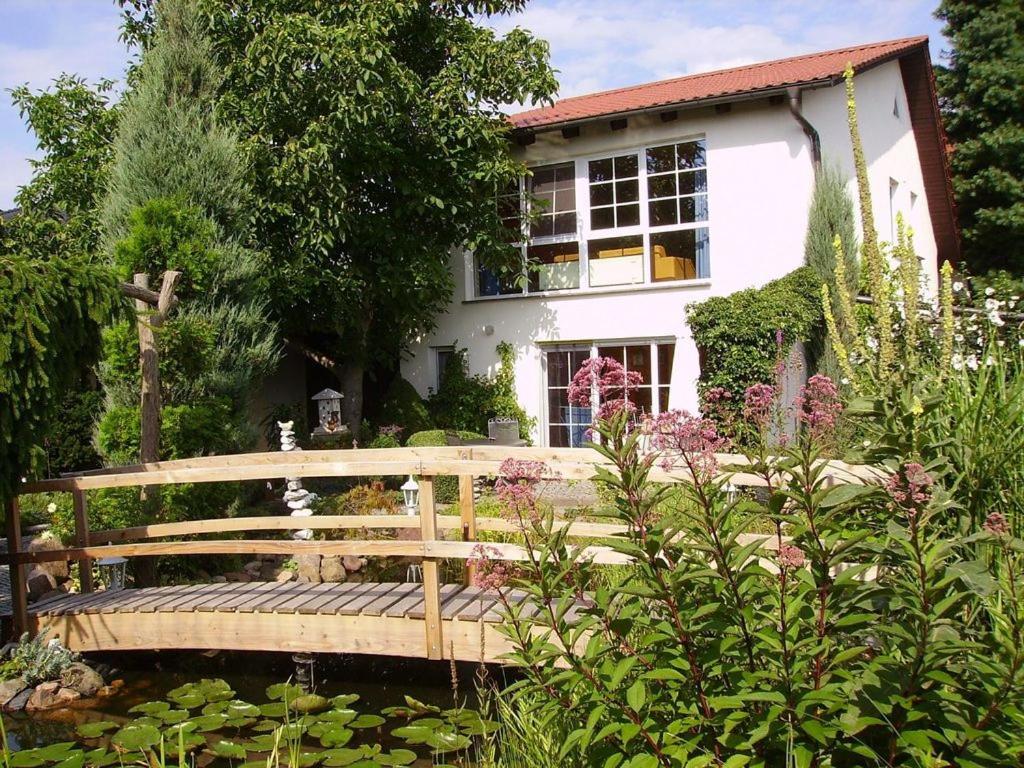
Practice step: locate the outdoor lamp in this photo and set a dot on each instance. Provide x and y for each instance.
(328, 406)
(411, 491)
(112, 571)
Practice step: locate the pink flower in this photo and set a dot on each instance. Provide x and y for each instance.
(687, 440)
(997, 524)
(819, 405)
(910, 489)
(758, 402)
(392, 430)
(516, 486)
(791, 557)
(489, 571)
(603, 384)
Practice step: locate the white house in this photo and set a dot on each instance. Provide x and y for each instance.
(667, 193)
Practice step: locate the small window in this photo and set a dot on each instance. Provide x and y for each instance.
(552, 199)
(554, 266)
(680, 254)
(677, 184)
(442, 357)
(614, 185)
(616, 260)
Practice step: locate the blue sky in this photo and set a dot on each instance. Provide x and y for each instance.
(595, 44)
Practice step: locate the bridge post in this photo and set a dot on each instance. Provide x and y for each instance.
(431, 576)
(467, 513)
(19, 597)
(82, 538)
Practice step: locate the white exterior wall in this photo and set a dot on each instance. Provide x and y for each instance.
(760, 177)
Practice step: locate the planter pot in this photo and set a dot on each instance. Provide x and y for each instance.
(503, 431)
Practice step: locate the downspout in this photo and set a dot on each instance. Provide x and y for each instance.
(796, 109)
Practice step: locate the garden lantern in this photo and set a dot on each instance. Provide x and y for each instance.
(411, 491)
(112, 572)
(328, 406)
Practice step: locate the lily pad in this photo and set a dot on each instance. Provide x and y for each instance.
(336, 736)
(367, 721)
(338, 716)
(228, 749)
(332, 758)
(264, 742)
(284, 691)
(396, 757)
(419, 706)
(133, 737)
(413, 734)
(239, 722)
(309, 702)
(442, 741)
(75, 760)
(190, 700)
(101, 757)
(29, 758)
(344, 700)
(95, 729)
(308, 759)
(266, 726)
(173, 716)
(273, 709)
(149, 708)
(207, 722)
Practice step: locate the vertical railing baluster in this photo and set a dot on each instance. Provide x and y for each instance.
(431, 573)
(467, 514)
(82, 538)
(19, 596)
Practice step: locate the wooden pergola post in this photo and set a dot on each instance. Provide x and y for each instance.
(431, 572)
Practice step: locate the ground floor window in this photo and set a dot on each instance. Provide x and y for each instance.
(565, 424)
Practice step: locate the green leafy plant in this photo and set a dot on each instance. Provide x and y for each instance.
(446, 487)
(37, 659)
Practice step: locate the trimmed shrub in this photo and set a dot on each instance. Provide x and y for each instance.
(446, 487)
(403, 406)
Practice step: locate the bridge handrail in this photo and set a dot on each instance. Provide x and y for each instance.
(466, 462)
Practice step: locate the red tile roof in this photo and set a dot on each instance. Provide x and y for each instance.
(767, 76)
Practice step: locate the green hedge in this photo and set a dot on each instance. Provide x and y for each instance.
(736, 334)
(446, 487)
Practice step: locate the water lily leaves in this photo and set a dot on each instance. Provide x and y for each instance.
(412, 734)
(264, 742)
(335, 736)
(149, 708)
(228, 749)
(101, 757)
(265, 726)
(95, 729)
(192, 695)
(273, 709)
(332, 758)
(367, 721)
(185, 727)
(284, 691)
(185, 740)
(479, 727)
(75, 760)
(343, 701)
(442, 741)
(419, 706)
(30, 758)
(395, 757)
(136, 737)
(308, 759)
(190, 700)
(173, 716)
(208, 722)
(309, 702)
(338, 716)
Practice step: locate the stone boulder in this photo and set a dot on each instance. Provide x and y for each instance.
(308, 568)
(239, 576)
(18, 703)
(353, 563)
(59, 569)
(284, 576)
(43, 697)
(39, 583)
(9, 689)
(82, 678)
(332, 569)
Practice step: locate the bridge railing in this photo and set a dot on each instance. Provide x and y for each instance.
(467, 463)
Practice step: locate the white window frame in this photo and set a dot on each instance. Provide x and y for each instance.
(591, 347)
(584, 233)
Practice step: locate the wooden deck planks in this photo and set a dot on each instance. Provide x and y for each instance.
(311, 592)
(345, 594)
(240, 598)
(448, 591)
(381, 604)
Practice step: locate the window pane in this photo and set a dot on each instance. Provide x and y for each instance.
(491, 284)
(692, 154)
(625, 166)
(602, 218)
(554, 267)
(693, 181)
(641, 398)
(600, 170)
(601, 194)
(616, 260)
(673, 255)
(565, 176)
(558, 400)
(693, 209)
(558, 436)
(638, 358)
(558, 369)
(627, 191)
(666, 354)
(661, 159)
(615, 353)
(628, 216)
(565, 224)
(663, 212)
(565, 200)
(662, 186)
(542, 226)
(543, 181)
(662, 399)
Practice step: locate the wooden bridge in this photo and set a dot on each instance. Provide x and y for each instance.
(420, 619)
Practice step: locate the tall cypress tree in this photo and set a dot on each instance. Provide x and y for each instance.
(983, 105)
(177, 199)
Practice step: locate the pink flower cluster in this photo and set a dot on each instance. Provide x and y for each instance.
(819, 405)
(996, 523)
(391, 430)
(687, 440)
(516, 485)
(490, 572)
(758, 402)
(602, 383)
(910, 489)
(791, 557)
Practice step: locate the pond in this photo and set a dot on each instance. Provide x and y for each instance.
(232, 709)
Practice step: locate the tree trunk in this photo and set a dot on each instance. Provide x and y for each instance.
(149, 437)
(351, 378)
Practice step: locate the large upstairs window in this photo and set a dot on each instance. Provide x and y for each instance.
(632, 218)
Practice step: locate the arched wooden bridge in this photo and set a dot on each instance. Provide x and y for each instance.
(419, 619)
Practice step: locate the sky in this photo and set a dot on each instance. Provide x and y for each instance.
(595, 44)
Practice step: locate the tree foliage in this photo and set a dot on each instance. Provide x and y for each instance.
(377, 143)
(177, 199)
(983, 108)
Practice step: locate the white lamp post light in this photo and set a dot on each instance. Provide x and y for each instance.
(411, 491)
(328, 406)
(113, 572)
